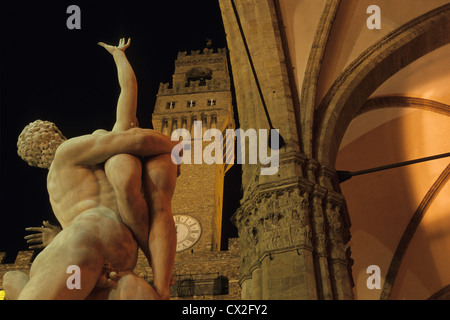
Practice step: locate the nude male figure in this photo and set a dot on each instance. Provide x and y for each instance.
(85, 203)
(124, 173)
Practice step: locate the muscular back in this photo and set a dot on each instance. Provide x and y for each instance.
(81, 195)
(77, 181)
(83, 198)
(73, 189)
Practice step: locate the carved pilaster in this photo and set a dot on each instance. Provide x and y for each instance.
(321, 239)
(326, 177)
(337, 231)
(311, 167)
(247, 240)
(324, 287)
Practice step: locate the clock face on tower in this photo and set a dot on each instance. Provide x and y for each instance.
(188, 231)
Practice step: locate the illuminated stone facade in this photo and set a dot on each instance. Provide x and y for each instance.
(200, 91)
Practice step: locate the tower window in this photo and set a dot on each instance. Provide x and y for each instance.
(184, 123)
(204, 124)
(170, 105)
(199, 74)
(165, 127)
(174, 124)
(190, 103)
(193, 119)
(211, 102)
(214, 121)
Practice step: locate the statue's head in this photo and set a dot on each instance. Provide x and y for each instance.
(38, 142)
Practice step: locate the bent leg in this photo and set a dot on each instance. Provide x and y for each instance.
(13, 283)
(160, 175)
(124, 172)
(75, 245)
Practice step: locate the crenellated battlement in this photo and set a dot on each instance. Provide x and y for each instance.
(205, 57)
(199, 71)
(204, 54)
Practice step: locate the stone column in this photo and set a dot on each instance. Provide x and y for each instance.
(288, 248)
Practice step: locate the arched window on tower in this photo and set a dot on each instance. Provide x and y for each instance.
(193, 119)
(214, 121)
(184, 123)
(199, 74)
(204, 124)
(174, 124)
(165, 127)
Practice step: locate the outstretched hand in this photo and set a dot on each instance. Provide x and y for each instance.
(45, 235)
(121, 47)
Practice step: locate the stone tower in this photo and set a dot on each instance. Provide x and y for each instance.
(200, 93)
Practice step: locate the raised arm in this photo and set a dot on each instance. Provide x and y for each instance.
(127, 103)
(94, 149)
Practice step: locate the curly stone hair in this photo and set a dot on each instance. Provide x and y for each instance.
(38, 142)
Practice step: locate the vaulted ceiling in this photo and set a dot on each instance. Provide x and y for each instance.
(399, 217)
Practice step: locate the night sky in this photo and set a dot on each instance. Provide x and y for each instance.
(52, 73)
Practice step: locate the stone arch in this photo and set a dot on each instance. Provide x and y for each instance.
(443, 294)
(194, 117)
(165, 126)
(410, 231)
(174, 123)
(363, 76)
(198, 74)
(184, 122)
(404, 102)
(314, 64)
(213, 120)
